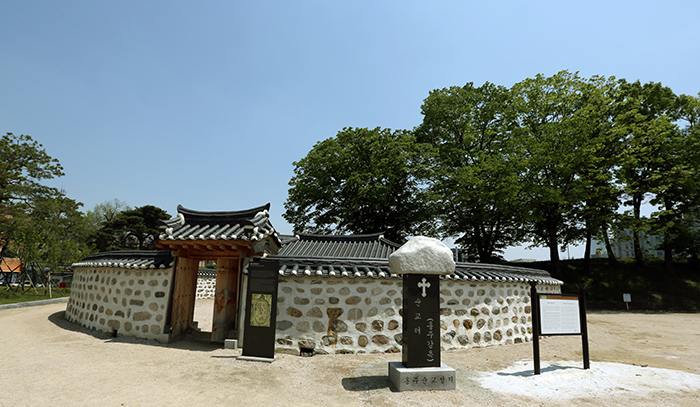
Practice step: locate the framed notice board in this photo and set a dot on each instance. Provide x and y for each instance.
(557, 314)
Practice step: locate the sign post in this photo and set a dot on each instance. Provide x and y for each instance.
(556, 314)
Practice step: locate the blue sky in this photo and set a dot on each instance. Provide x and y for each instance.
(208, 104)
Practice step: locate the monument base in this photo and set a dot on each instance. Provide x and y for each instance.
(422, 378)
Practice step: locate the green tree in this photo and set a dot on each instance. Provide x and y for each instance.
(38, 224)
(651, 166)
(360, 181)
(130, 229)
(24, 164)
(104, 212)
(553, 150)
(53, 236)
(600, 145)
(475, 167)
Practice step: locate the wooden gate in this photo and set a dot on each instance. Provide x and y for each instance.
(184, 294)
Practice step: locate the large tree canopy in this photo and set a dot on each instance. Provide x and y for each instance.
(129, 229)
(38, 223)
(475, 166)
(553, 161)
(360, 181)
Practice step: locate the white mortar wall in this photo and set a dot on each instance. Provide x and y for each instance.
(343, 315)
(206, 287)
(132, 302)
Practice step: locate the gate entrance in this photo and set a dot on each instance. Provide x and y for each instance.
(230, 238)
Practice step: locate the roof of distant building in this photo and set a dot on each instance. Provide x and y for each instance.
(10, 265)
(366, 256)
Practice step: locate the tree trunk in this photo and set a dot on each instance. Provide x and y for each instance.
(587, 253)
(608, 247)
(638, 255)
(668, 248)
(554, 253)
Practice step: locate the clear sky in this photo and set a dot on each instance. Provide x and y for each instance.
(207, 104)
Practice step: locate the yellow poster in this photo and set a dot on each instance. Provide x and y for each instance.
(260, 307)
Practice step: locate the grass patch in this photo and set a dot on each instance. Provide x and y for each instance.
(18, 294)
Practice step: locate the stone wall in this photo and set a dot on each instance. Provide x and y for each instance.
(206, 286)
(344, 315)
(131, 302)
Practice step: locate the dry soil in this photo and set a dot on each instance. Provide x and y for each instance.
(48, 361)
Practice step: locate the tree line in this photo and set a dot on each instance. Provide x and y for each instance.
(551, 161)
(45, 228)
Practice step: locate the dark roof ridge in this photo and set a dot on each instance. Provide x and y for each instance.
(129, 254)
(330, 259)
(192, 216)
(348, 238)
(503, 267)
(245, 213)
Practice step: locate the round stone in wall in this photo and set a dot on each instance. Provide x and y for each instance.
(319, 326)
(284, 325)
(338, 326)
(354, 314)
(353, 300)
(477, 337)
(362, 341)
(306, 343)
(380, 339)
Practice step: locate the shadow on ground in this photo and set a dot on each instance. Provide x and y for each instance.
(551, 368)
(59, 319)
(364, 383)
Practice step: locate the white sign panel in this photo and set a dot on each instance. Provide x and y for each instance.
(559, 315)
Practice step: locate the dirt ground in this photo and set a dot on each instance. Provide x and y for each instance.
(48, 361)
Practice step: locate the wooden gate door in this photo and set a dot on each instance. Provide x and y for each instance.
(226, 299)
(184, 294)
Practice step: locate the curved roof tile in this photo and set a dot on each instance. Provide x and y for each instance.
(248, 225)
(129, 259)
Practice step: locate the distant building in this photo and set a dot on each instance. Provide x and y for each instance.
(623, 246)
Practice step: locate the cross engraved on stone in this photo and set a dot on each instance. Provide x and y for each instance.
(424, 285)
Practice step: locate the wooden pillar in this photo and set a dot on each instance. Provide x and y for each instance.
(226, 298)
(184, 295)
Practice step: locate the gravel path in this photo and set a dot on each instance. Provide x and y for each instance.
(49, 361)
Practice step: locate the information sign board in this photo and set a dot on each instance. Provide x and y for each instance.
(559, 315)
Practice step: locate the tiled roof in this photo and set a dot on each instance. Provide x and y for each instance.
(7, 265)
(205, 272)
(366, 256)
(248, 225)
(129, 259)
(335, 246)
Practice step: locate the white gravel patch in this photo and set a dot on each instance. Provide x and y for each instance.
(569, 380)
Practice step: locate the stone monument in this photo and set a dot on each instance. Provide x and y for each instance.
(421, 261)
